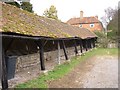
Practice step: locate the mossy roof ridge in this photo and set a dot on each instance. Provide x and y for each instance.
(23, 22)
(74, 31)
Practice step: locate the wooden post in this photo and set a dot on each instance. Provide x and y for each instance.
(87, 41)
(90, 44)
(58, 52)
(94, 42)
(81, 46)
(1, 70)
(75, 45)
(64, 49)
(86, 46)
(41, 51)
(4, 79)
(40, 44)
(42, 55)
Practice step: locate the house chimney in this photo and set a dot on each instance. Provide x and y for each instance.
(96, 17)
(81, 14)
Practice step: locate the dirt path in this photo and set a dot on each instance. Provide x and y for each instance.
(97, 72)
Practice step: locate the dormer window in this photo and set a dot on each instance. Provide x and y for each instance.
(80, 25)
(91, 25)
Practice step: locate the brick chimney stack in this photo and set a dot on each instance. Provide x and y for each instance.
(96, 16)
(81, 14)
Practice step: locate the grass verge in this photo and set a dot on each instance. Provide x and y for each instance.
(61, 70)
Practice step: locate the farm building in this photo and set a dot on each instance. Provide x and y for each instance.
(91, 23)
(25, 33)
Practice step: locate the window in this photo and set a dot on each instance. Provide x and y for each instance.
(80, 25)
(91, 25)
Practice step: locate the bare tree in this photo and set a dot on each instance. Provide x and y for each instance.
(109, 13)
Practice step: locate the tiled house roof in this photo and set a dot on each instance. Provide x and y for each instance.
(84, 20)
(23, 22)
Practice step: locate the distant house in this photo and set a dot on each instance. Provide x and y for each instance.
(91, 23)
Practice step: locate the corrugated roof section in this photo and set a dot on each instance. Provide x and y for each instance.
(23, 22)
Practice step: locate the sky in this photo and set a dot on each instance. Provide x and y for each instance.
(67, 9)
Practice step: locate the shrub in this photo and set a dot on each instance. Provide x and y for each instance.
(102, 40)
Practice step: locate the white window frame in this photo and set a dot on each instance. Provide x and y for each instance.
(80, 26)
(92, 25)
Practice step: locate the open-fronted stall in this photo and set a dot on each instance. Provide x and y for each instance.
(24, 33)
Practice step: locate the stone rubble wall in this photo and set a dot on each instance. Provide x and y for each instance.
(28, 61)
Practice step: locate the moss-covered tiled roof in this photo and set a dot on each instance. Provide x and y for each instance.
(23, 22)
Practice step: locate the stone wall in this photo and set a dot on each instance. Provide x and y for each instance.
(112, 45)
(28, 66)
(51, 59)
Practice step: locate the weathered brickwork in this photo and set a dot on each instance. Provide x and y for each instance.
(97, 26)
(91, 23)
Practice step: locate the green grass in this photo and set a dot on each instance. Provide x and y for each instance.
(61, 70)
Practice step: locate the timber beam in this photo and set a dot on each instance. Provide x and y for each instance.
(64, 49)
